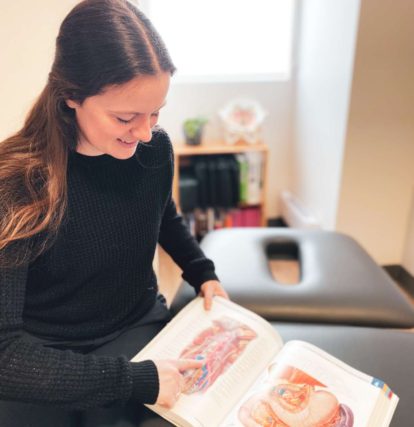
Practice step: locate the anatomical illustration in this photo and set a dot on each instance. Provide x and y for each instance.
(294, 399)
(218, 346)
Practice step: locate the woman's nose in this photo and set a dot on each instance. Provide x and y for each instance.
(142, 130)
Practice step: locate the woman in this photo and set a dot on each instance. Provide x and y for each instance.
(85, 195)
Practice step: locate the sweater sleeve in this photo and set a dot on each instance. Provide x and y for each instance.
(177, 240)
(30, 372)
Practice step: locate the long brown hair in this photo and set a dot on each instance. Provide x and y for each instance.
(100, 43)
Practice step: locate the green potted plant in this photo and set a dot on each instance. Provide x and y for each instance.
(193, 130)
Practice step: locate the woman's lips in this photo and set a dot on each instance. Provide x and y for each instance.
(127, 142)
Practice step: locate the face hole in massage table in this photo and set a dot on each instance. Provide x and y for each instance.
(283, 260)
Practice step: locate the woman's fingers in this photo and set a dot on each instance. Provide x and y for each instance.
(171, 380)
(208, 300)
(210, 289)
(186, 364)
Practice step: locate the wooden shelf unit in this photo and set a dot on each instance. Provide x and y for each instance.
(182, 152)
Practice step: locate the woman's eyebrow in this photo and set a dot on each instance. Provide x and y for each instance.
(135, 112)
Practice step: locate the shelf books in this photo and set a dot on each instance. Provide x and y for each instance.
(220, 191)
(222, 181)
(201, 221)
(246, 217)
(250, 378)
(250, 173)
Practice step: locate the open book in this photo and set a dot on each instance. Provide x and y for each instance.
(251, 379)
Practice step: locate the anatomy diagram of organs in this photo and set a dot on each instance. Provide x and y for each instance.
(218, 346)
(295, 399)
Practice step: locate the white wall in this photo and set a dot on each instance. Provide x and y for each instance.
(325, 61)
(28, 31)
(378, 172)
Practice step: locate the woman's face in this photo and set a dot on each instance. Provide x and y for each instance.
(115, 121)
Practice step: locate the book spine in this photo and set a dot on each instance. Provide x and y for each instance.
(254, 186)
(251, 217)
(244, 178)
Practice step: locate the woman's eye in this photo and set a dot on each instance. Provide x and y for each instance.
(123, 121)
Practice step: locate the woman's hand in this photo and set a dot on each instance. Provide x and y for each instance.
(210, 289)
(170, 379)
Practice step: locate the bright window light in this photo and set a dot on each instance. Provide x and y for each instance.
(213, 40)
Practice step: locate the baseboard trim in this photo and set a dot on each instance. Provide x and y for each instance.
(401, 275)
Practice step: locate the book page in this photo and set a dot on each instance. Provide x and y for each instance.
(236, 346)
(305, 386)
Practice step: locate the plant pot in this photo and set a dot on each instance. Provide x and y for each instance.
(194, 140)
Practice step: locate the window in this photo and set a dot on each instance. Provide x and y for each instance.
(226, 40)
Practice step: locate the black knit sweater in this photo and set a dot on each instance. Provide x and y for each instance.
(95, 279)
